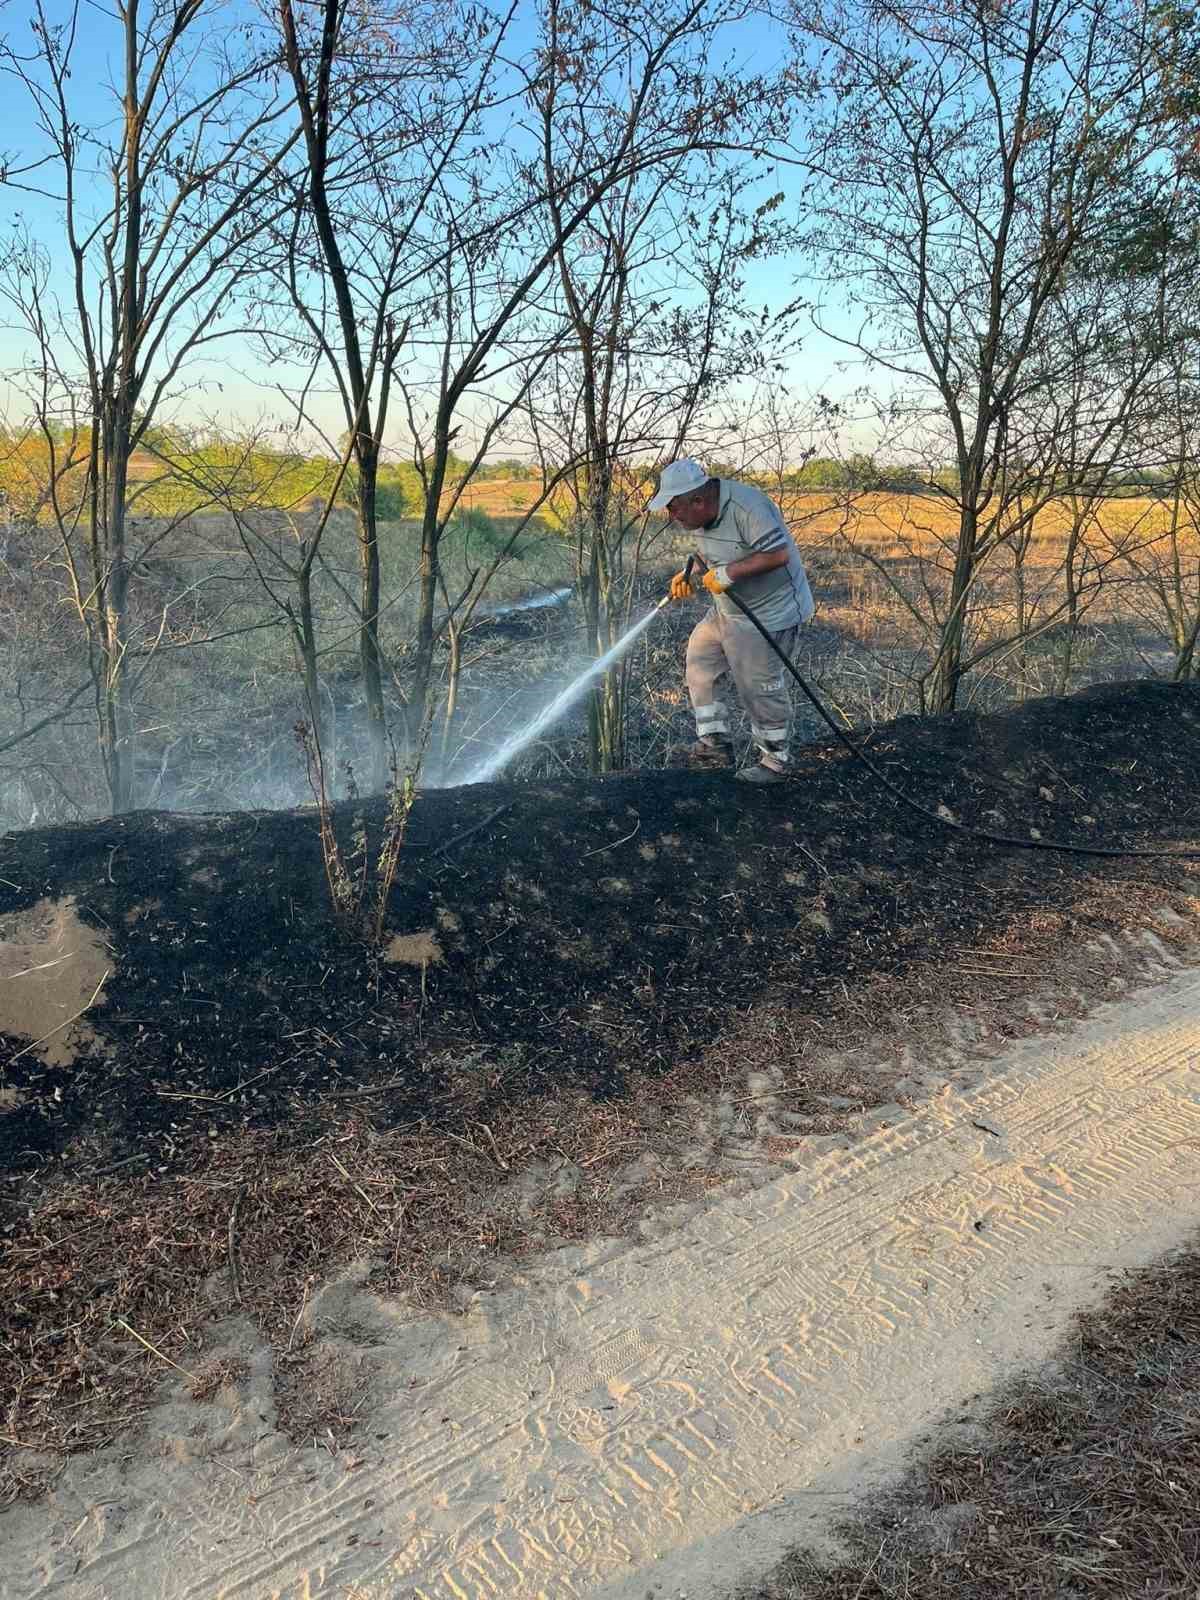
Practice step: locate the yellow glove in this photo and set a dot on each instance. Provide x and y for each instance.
(680, 588)
(717, 580)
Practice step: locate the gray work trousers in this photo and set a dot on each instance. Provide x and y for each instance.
(722, 645)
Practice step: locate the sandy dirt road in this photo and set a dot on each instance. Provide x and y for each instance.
(663, 1417)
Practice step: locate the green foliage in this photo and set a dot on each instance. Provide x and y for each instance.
(173, 474)
(509, 469)
(392, 497)
(400, 490)
(389, 502)
(858, 471)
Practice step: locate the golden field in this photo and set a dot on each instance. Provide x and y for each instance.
(896, 525)
(899, 524)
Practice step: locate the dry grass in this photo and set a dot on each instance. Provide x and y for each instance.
(320, 1394)
(880, 569)
(215, 720)
(110, 1287)
(890, 519)
(214, 715)
(881, 565)
(216, 1375)
(1084, 1484)
(501, 497)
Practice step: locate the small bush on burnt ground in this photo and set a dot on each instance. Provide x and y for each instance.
(360, 877)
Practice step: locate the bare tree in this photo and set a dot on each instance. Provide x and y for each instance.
(966, 157)
(1166, 561)
(387, 113)
(1156, 252)
(605, 100)
(653, 285)
(154, 221)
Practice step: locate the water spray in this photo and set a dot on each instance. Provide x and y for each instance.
(515, 743)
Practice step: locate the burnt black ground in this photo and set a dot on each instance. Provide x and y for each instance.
(589, 930)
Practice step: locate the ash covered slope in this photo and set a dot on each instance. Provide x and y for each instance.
(589, 930)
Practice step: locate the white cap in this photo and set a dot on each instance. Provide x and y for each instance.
(680, 477)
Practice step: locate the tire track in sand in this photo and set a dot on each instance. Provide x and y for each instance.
(623, 1427)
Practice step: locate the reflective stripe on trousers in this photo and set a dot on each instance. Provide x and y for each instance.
(711, 720)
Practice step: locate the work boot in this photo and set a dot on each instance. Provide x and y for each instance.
(711, 752)
(761, 773)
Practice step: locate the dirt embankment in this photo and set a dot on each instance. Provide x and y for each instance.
(216, 1097)
(568, 932)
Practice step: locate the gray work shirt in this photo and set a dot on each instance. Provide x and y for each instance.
(749, 522)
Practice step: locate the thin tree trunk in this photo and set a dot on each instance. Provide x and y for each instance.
(453, 674)
(947, 674)
(315, 118)
(427, 584)
(1185, 657)
(369, 653)
(118, 729)
(306, 645)
(1071, 580)
(116, 723)
(609, 702)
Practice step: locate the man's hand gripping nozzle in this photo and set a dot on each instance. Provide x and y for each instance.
(680, 586)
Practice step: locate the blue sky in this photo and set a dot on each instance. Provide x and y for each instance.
(235, 387)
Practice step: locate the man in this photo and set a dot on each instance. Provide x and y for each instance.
(747, 547)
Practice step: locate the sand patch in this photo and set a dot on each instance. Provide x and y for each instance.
(52, 969)
(413, 949)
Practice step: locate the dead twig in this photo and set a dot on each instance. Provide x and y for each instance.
(103, 1172)
(299, 1316)
(226, 1094)
(816, 861)
(999, 972)
(41, 966)
(495, 1149)
(155, 1351)
(60, 1026)
(459, 838)
(234, 1278)
(355, 1185)
(599, 851)
(373, 1088)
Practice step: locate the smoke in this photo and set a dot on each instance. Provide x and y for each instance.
(207, 750)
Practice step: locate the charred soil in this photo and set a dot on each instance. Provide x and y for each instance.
(553, 945)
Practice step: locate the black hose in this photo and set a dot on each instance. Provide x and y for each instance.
(915, 805)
